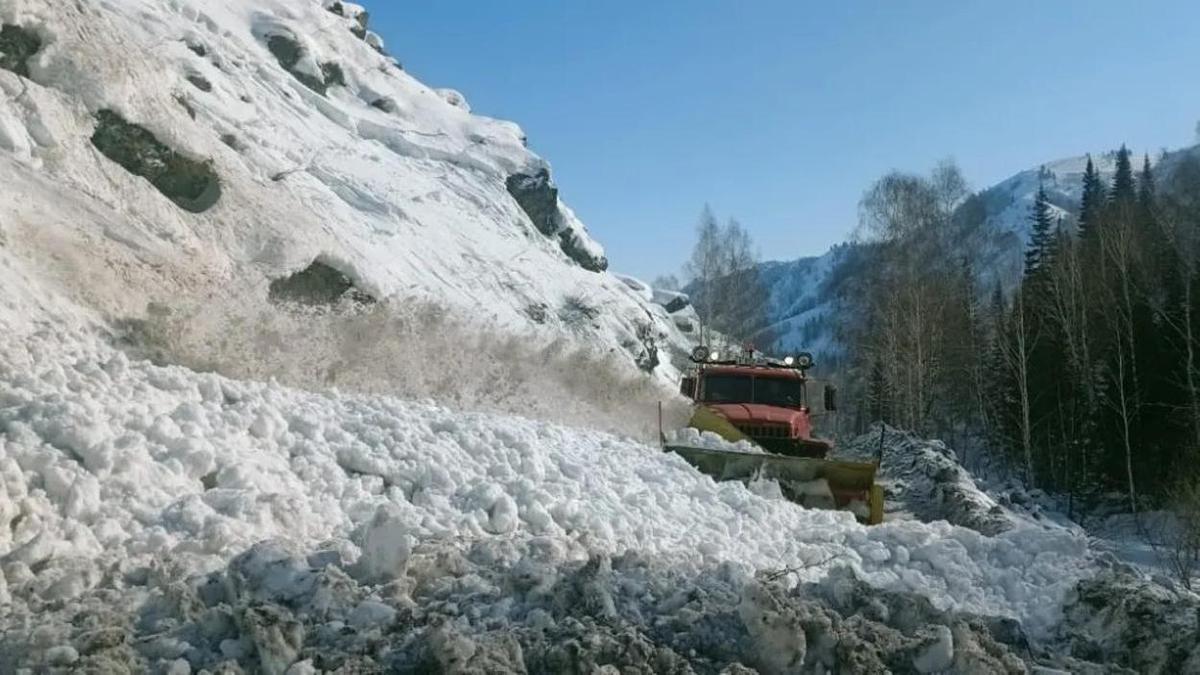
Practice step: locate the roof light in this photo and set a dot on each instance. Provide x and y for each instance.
(715, 356)
(700, 353)
(789, 360)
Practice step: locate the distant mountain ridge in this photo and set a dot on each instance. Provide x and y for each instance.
(803, 292)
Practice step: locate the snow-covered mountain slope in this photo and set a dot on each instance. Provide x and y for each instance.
(199, 153)
(803, 294)
(1002, 235)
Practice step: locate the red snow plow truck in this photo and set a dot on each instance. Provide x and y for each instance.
(747, 397)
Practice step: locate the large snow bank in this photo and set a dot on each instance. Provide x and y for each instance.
(108, 461)
(491, 607)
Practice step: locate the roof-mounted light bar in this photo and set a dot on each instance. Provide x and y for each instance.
(801, 361)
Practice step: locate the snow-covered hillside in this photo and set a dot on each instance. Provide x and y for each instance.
(198, 154)
(802, 298)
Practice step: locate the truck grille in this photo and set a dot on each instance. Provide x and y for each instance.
(764, 430)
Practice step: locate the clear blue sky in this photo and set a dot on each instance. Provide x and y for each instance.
(780, 113)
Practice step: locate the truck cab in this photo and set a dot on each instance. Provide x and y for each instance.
(767, 400)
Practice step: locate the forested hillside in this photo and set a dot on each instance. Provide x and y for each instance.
(1083, 377)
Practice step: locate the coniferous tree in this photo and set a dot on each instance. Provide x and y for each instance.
(1042, 234)
(1091, 203)
(1123, 188)
(999, 392)
(1145, 185)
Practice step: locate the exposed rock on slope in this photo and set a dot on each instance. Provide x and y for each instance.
(17, 45)
(538, 197)
(191, 184)
(317, 284)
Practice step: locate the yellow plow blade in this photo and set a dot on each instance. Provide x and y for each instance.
(820, 483)
(707, 420)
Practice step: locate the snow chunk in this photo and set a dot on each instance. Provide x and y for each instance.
(641, 288)
(371, 613)
(937, 653)
(454, 98)
(386, 544)
(62, 655)
(706, 439)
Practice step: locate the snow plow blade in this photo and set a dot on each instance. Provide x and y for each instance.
(814, 483)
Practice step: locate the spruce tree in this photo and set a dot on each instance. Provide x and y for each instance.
(1145, 186)
(998, 382)
(1123, 190)
(1090, 203)
(1042, 234)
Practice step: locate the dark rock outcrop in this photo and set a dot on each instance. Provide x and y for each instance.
(317, 284)
(200, 83)
(569, 241)
(191, 184)
(677, 303)
(361, 21)
(538, 197)
(385, 104)
(537, 312)
(17, 45)
(287, 53)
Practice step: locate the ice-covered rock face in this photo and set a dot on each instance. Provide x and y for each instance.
(237, 142)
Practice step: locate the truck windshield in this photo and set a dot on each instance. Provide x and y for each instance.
(780, 392)
(747, 389)
(728, 389)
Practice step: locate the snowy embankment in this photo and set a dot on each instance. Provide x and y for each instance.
(923, 480)
(110, 461)
(124, 480)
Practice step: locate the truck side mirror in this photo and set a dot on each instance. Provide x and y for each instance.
(830, 398)
(687, 387)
